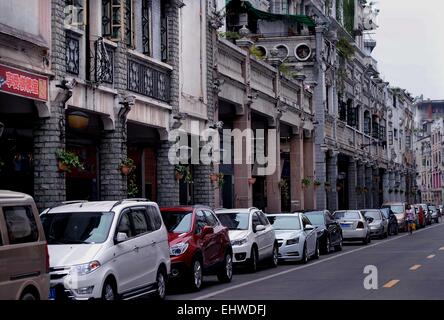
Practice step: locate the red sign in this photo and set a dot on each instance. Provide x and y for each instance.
(23, 83)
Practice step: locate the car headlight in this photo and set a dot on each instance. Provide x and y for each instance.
(83, 269)
(178, 249)
(292, 241)
(239, 242)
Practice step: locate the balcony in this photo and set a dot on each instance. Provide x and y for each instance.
(149, 79)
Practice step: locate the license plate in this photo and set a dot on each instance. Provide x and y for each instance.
(52, 294)
(345, 226)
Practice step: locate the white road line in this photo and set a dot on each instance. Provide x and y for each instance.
(240, 285)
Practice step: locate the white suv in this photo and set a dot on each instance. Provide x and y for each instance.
(107, 250)
(252, 236)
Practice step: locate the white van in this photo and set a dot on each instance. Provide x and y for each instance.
(107, 250)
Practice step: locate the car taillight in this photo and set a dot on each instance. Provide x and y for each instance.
(360, 225)
(47, 258)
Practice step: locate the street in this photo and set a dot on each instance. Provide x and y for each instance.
(409, 267)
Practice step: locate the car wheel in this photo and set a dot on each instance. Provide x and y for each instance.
(29, 296)
(275, 257)
(365, 241)
(253, 260)
(161, 285)
(338, 247)
(305, 254)
(226, 272)
(196, 275)
(327, 245)
(316, 253)
(109, 291)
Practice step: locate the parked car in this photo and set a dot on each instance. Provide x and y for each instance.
(392, 221)
(107, 250)
(354, 225)
(199, 245)
(421, 217)
(378, 223)
(252, 236)
(399, 209)
(434, 213)
(24, 266)
(427, 212)
(328, 230)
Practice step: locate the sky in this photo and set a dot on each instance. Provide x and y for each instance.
(410, 45)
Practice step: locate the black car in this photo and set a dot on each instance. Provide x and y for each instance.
(328, 229)
(392, 221)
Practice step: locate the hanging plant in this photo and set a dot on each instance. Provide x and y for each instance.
(285, 190)
(257, 53)
(183, 172)
(127, 166)
(327, 186)
(345, 48)
(68, 160)
(359, 189)
(230, 35)
(133, 189)
(317, 183)
(306, 182)
(218, 178)
(365, 189)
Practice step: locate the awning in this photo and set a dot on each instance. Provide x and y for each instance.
(263, 15)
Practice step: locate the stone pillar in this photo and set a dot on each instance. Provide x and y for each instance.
(273, 189)
(361, 183)
(309, 172)
(167, 186)
(243, 191)
(203, 187)
(352, 183)
(296, 171)
(392, 186)
(112, 150)
(386, 186)
(332, 173)
(368, 183)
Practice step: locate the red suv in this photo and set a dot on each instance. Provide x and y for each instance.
(199, 245)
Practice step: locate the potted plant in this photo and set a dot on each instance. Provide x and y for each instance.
(317, 183)
(219, 178)
(127, 166)
(68, 160)
(183, 172)
(365, 189)
(306, 182)
(251, 180)
(339, 186)
(327, 186)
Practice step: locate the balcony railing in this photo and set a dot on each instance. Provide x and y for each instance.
(149, 80)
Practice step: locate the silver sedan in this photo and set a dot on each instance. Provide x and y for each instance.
(377, 222)
(354, 225)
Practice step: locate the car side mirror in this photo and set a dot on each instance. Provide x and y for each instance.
(207, 230)
(308, 227)
(121, 237)
(260, 227)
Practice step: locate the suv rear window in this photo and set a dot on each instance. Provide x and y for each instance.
(20, 224)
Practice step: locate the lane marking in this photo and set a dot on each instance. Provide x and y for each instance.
(441, 249)
(415, 267)
(244, 284)
(431, 256)
(391, 283)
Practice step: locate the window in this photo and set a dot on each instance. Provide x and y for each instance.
(390, 137)
(141, 223)
(256, 220)
(342, 110)
(305, 221)
(117, 20)
(146, 27)
(367, 122)
(155, 217)
(263, 219)
(20, 224)
(395, 133)
(75, 13)
(212, 220)
(201, 221)
(408, 142)
(163, 32)
(125, 225)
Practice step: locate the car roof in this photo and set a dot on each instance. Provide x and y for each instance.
(6, 194)
(184, 208)
(393, 203)
(295, 214)
(237, 210)
(370, 209)
(96, 206)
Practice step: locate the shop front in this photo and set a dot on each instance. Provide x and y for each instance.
(21, 94)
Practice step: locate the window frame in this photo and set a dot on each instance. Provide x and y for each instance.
(30, 214)
(149, 223)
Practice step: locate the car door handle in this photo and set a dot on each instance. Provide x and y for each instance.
(153, 243)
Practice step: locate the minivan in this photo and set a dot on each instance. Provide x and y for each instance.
(24, 267)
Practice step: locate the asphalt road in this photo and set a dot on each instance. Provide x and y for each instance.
(408, 267)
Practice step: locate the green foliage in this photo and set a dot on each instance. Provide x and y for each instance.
(128, 162)
(69, 159)
(184, 172)
(230, 35)
(133, 189)
(345, 48)
(219, 179)
(285, 190)
(257, 53)
(306, 182)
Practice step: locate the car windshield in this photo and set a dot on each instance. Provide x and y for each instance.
(316, 217)
(397, 209)
(353, 215)
(432, 208)
(373, 214)
(234, 220)
(177, 221)
(285, 222)
(77, 227)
